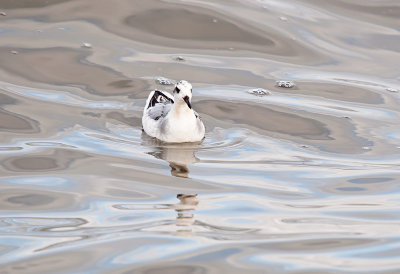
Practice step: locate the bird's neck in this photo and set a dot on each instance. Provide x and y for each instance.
(180, 108)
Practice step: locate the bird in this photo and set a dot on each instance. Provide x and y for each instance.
(171, 118)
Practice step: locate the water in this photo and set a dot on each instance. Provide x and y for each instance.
(305, 180)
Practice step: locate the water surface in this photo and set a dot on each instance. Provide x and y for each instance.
(304, 180)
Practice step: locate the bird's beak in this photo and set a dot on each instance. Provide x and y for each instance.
(186, 99)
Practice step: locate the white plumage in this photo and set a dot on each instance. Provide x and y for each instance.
(171, 118)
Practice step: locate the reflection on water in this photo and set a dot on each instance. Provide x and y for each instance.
(179, 156)
(188, 202)
(302, 180)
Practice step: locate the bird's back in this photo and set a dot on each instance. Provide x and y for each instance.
(157, 106)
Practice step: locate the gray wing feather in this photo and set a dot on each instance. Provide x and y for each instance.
(159, 110)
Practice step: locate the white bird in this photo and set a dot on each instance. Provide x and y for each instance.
(171, 118)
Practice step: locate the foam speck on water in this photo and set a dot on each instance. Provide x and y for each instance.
(259, 92)
(285, 84)
(164, 81)
(87, 45)
(392, 90)
(179, 58)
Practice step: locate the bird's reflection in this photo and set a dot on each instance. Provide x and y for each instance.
(179, 170)
(187, 204)
(179, 156)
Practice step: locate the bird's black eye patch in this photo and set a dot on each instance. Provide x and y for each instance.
(177, 90)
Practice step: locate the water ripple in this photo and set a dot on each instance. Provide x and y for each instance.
(302, 180)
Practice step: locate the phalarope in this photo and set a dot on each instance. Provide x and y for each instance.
(170, 118)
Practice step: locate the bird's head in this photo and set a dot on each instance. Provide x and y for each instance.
(183, 93)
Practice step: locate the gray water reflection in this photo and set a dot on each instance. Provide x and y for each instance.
(303, 180)
(179, 156)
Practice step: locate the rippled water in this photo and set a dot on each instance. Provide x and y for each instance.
(304, 179)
